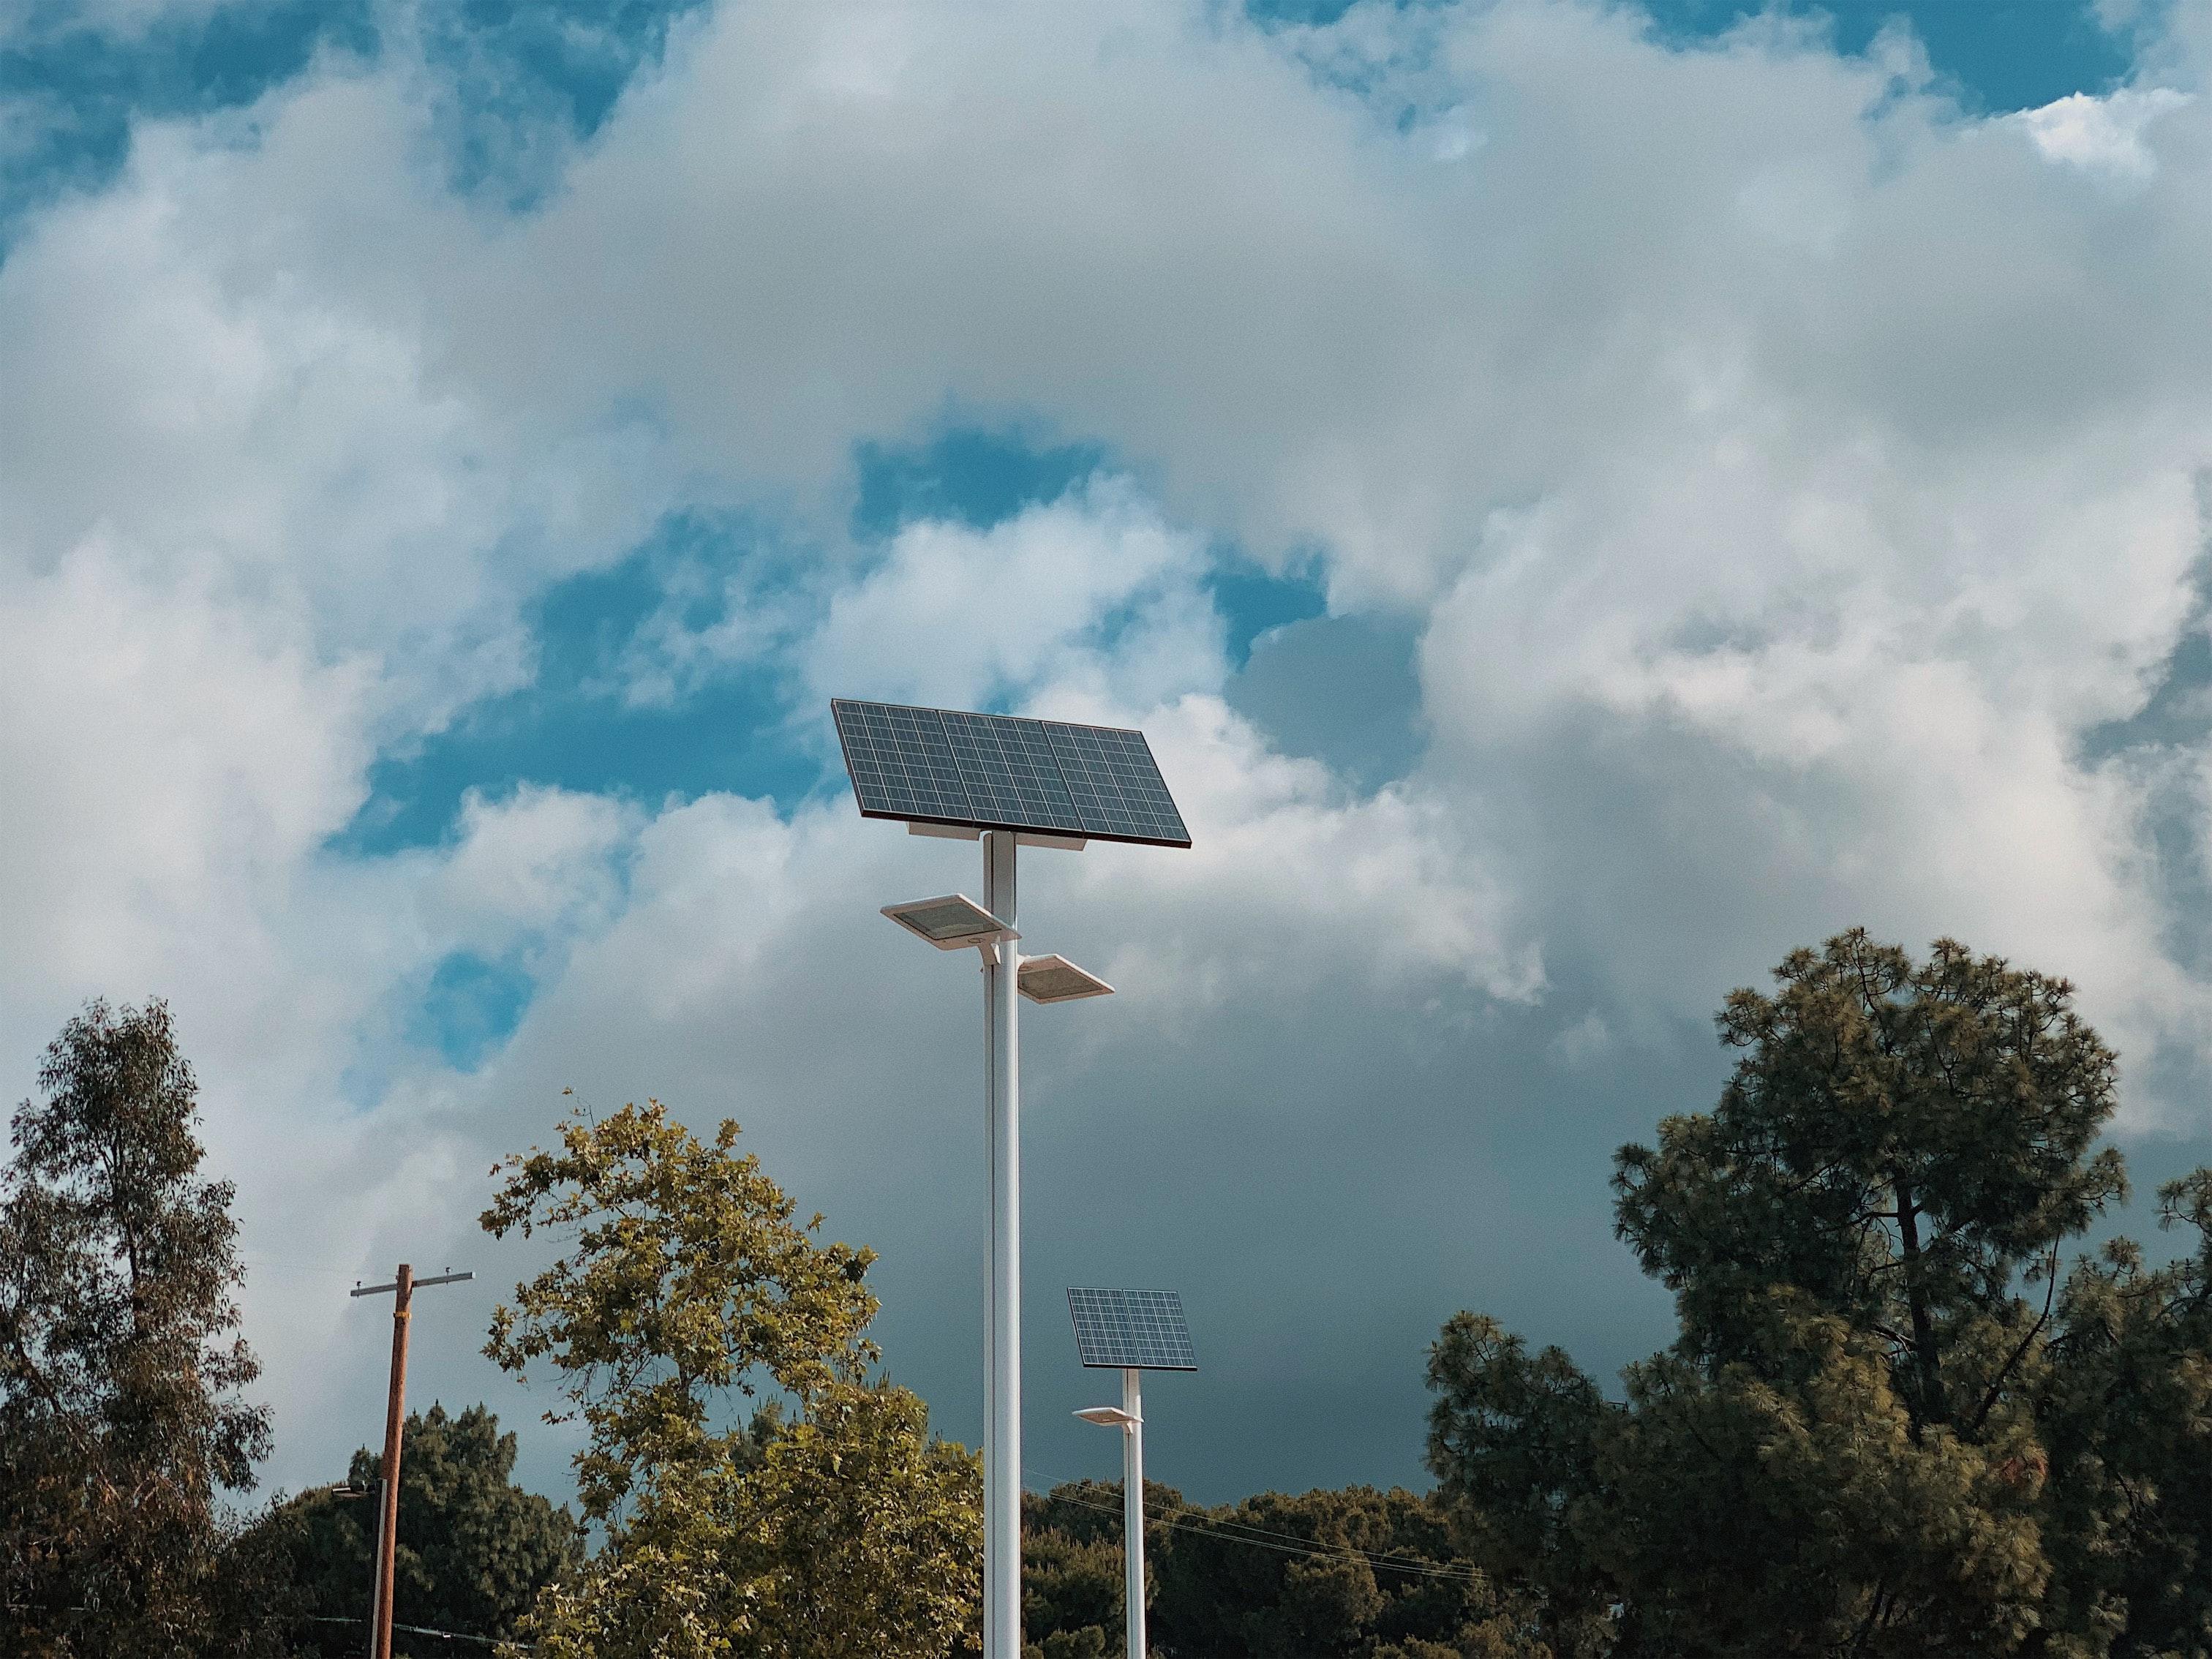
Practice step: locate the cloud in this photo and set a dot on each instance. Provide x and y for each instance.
(965, 618)
(2103, 134)
(121, 19)
(1786, 474)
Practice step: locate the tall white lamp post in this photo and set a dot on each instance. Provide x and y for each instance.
(1046, 783)
(1131, 1332)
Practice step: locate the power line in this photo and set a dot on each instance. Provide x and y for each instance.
(420, 1630)
(1198, 1522)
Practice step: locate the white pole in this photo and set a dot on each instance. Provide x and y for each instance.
(1002, 1335)
(1132, 1509)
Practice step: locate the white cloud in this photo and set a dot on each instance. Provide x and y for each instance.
(1786, 470)
(963, 619)
(2102, 134)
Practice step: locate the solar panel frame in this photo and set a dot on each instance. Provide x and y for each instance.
(1130, 1330)
(945, 766)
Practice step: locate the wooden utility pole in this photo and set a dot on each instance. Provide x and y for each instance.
(395, 1418)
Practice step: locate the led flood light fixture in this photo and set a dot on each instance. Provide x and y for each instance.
(951, 923)
(1132, 1332)
(1055, 979)
(1017, 782)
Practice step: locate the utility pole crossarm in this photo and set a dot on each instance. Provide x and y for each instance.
(378, 1290)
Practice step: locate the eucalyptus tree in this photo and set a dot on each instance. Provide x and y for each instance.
(122, 1418)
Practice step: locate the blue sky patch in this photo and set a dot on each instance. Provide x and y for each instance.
(735, 725)
(1999, 54)
(517, 73)
(574, 728)
(520, 71)
(526, 77)
(1345, 691)
(470, 1008)
(969, 475)
(1254, 601)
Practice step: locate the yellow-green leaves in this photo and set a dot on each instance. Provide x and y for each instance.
(687, 1280)
(836, 1529)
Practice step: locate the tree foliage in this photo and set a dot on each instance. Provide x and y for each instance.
(840, 1527)
(1890, 1424)
(1900, 1143)
(473, 1548)
(1349, 1574)
(122, 1423)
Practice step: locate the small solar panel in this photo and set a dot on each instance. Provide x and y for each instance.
(1000, 772)
(1117, 1330)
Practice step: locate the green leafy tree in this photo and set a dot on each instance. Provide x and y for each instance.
(839, 1529)
(122, 1423)
(1784, 1507)
(1349, 1574)
(1901, 1144)
(1514, 1439)
(2126, 1419)
(1072, 1580)
(473, 1548)
(1845, 1451)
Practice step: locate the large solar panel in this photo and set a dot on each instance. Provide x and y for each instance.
(1118, 1329)
(998, 772)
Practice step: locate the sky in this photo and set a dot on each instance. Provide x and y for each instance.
(1582, 499)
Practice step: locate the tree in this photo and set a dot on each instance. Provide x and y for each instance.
(1901, 1144)
(474, 1549)
(1073, 1570)
(1850, 1448)
(121, 1419)
(1349, 1574)
(2127, 1422)
(842, 1529)
(1514, 1439)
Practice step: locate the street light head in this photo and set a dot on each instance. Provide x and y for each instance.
(1055, 979)
(950, 923)
(1110, 1417)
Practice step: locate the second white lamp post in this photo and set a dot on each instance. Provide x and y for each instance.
(1131, 1332)
(1129, 1418)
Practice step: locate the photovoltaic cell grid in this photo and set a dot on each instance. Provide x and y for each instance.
(1144, 1329)
(998, 772)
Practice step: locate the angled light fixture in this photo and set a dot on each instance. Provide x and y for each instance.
(950, 923)
(1055, 979)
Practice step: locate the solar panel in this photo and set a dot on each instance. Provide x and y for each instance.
(1116, 1330)
(1000, 772)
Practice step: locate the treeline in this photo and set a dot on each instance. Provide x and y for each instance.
(473, 1548)
(1896, 1418)
(1356, 1571)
